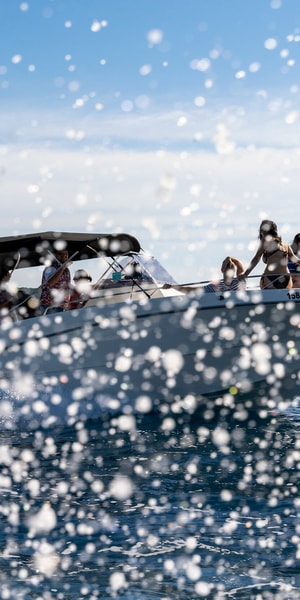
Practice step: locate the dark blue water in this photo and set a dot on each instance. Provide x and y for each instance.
(169, 507)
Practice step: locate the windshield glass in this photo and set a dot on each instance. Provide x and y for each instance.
(138, 266)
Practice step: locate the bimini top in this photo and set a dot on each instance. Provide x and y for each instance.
(35, 249)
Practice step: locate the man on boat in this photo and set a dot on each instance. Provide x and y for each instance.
(56, 283)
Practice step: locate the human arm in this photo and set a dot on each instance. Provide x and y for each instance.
(185, 289)
(255, 260)
(53, 275)
(231, 266)
(292, 256)
(239, 265)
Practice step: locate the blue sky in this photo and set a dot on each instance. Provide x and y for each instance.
(67, 40)
(177, 121)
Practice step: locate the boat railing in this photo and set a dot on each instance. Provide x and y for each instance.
(252, 282)
(119, 290)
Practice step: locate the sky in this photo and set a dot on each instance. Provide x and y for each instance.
(174, 120)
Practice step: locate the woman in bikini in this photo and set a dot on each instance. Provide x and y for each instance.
(275, 253)
(294, 268)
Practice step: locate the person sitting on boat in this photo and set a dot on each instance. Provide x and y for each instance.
(81, 292)
(231, 267)
(56, 283)
(275, 253)
(294, 269)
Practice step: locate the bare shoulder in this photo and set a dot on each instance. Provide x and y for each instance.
(287, 248)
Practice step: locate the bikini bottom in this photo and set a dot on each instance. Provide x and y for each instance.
(279, 282)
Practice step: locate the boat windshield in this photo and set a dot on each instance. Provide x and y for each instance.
(141, 266)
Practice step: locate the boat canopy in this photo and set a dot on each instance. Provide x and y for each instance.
(35, 249)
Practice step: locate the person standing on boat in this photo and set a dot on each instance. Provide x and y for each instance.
(82, 290)
(56, 284)
(293, 267)
(275, 253)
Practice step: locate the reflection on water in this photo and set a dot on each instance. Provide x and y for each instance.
(187, 506)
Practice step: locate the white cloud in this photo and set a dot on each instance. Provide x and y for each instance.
(112, 180)
(264, 122)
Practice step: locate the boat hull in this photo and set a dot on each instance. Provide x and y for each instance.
(133, 357)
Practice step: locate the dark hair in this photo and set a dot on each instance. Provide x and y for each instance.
(4, 271)
(295, 242)
(269, 228)
(296, 239)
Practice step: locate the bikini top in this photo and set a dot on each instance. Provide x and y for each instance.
(267, 255)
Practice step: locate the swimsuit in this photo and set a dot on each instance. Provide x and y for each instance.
(221, 286)
(267, 255)
(279, 282)
(293, 267)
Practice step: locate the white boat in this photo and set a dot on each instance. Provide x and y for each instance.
(136, 345)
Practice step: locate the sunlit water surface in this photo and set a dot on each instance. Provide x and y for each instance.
(165, 507)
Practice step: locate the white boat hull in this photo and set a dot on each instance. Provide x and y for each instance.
(134, 356)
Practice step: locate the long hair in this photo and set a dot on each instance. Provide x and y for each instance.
(269, 228)
(295, 242)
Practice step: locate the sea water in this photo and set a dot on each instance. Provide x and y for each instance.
(165, 506)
